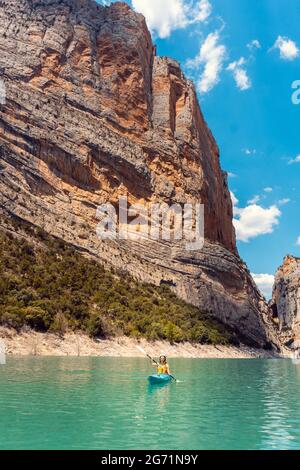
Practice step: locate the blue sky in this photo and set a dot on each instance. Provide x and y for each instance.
(244, 56)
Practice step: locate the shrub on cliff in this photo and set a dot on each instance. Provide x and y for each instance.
(16, 317)
(47, 285)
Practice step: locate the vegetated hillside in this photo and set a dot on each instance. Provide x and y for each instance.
(47, 285)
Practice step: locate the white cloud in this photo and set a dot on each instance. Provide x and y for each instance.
(254, 44)
(298, 241)
(234, 199)
(202, 10)
(265, 283)
(254, 200)
(248, 151)
(258, 198)
(295, 160)
(242, 80)
(231, 175)
(240, 75)
(288, 48)
(210, 60)
(253, 220)
(283, 202)
(165, 16)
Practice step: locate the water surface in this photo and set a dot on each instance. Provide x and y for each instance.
(104, 403)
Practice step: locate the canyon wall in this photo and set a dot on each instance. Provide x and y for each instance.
(285, 301)
(92, 114)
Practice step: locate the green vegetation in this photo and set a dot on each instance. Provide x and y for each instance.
(47, 285)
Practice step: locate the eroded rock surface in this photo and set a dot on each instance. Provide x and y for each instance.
(92, 114)
(286, 299)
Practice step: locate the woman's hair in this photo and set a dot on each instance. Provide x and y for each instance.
(163, 357)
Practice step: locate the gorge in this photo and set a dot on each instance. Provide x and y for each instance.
(92, 114)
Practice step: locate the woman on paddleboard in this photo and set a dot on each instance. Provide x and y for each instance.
(162, 366)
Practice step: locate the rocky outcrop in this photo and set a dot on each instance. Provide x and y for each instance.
(92, 114)
(285, 302)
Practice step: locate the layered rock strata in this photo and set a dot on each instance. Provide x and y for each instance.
(92, 114)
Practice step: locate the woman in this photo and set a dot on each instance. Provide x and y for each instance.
(163, 366)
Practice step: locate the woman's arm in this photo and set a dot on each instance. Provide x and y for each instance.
(168, 369)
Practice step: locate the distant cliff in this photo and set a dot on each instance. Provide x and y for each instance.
(286, 300)
(92, 114)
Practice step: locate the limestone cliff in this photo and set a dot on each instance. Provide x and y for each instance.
(92, 113)
(286, 299)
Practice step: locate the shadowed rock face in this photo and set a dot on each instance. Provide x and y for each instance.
(92, 114)
(286, 298)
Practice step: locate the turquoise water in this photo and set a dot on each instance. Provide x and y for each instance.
(103, 403)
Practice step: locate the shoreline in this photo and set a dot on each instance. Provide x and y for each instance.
(32, 343)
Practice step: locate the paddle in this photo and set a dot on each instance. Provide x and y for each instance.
(153, 360)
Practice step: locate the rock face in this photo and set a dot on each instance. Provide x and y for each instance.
(286, 297)
(92, 114)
